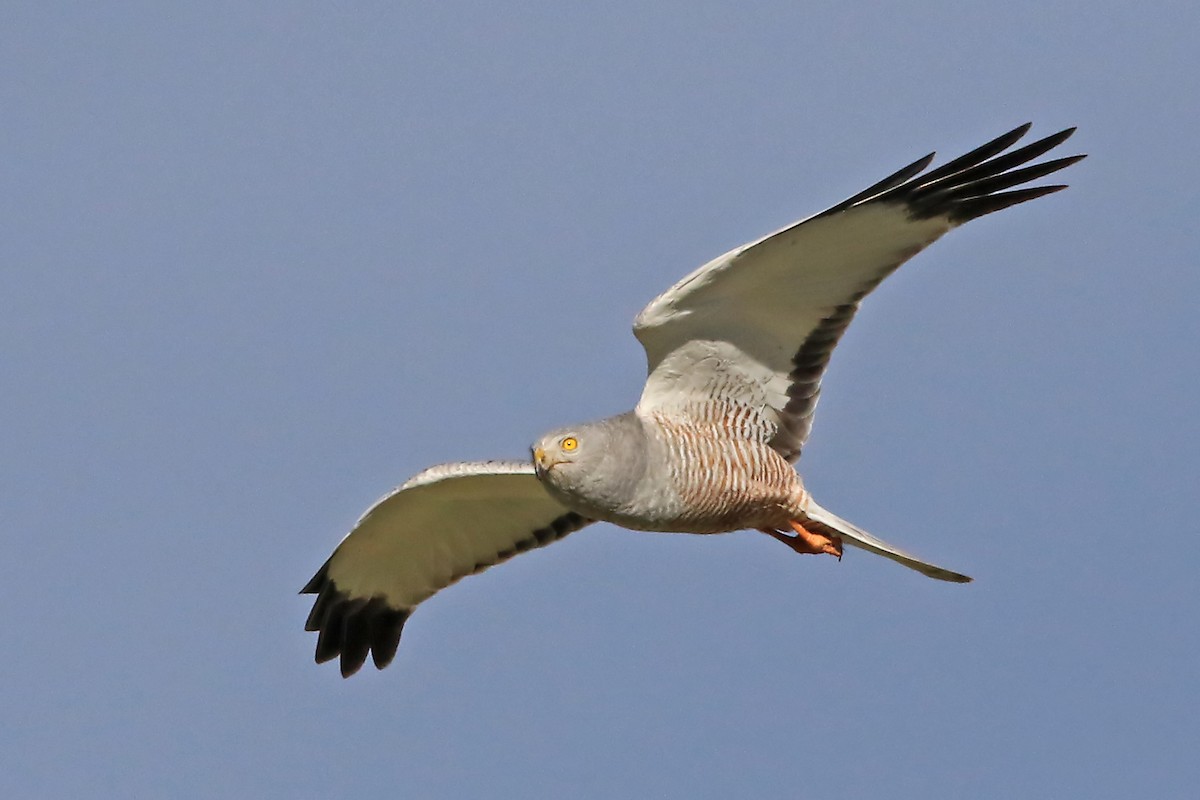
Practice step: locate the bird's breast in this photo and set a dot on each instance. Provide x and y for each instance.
(713, 479)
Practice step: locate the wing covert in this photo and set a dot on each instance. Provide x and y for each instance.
(446, 523)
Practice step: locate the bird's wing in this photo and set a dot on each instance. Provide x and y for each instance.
(746, 338)
(446, 523)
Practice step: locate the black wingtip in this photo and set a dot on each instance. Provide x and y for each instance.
(953, 190)
(890, 182)
(329, 640)
(352, 628)
(355, 641)
(974, 157)
(386, 630)
(316, 581)
(973, 184)
(980, 206)
(373, 628)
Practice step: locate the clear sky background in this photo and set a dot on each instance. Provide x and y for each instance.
(261, 262)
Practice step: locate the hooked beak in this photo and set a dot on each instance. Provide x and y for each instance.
(541, 463)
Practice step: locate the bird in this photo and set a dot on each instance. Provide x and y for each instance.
(735, 355)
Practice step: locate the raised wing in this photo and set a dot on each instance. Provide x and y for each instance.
(746, 338)
(446, 523)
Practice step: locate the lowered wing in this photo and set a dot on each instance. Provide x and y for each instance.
(442, 525)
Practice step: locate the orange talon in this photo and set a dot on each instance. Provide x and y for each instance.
(807, 542)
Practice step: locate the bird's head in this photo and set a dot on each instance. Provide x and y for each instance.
(594, 467)
(559, 452)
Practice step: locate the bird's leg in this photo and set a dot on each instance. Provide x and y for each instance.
(805, 541)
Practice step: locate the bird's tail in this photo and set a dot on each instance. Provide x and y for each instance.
(821, 521)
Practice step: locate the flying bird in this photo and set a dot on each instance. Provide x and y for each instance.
(735, 355)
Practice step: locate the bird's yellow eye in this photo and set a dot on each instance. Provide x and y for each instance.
(570, 443)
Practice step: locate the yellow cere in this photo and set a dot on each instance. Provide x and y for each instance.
(569, 443)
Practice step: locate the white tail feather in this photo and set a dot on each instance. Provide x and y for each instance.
(856, 536)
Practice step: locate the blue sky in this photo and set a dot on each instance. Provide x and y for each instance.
(261, 262)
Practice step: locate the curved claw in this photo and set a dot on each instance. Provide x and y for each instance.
(807, 542)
